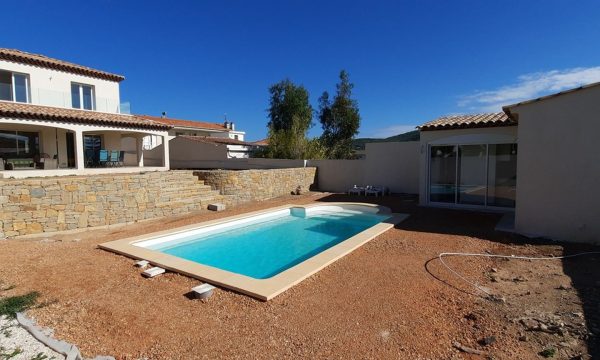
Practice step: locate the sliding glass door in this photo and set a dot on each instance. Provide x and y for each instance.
(442, 174)
(473, 174)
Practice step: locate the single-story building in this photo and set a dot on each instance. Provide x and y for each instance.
(538, 159)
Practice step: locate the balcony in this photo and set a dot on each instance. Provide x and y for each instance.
(39, 96)
(48, 97)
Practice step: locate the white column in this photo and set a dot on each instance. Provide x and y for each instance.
(166, 162)
(79, 150)
(140, 149)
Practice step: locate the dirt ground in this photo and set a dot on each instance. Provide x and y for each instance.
(391, 298)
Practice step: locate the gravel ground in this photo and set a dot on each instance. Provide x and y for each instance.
(389, 299)
(17, 344)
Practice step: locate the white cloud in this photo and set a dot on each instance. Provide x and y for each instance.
(388, 131)
(529, 86)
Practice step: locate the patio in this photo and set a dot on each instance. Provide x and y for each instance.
(42, 150)
(48, 141)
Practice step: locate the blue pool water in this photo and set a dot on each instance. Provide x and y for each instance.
(265, 248)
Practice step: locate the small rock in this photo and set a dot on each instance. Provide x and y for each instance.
(568, 344)
(471, 316)
(497, 298)
(564, 287)
(523, 338)
(494, 270)
(488, 340)
(529, 324)
(519, 279)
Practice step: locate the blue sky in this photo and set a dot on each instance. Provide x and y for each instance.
(410, 61)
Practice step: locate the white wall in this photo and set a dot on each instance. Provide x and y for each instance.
(339, 175)
(53, 87)
(394, 165)
(558, 181)
(188, 154)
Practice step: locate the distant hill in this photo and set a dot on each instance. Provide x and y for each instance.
(359, 144)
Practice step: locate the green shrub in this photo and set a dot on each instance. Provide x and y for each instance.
(11, 305)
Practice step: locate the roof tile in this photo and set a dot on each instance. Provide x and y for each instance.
(23, 57)
(468, 121)
(186, 123)
(49, 113)
(216, 140)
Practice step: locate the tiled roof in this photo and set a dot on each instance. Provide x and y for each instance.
(263, 142)
(200, 125)
(215, 140)
(468, 121)
(49, 113)
(23, 57)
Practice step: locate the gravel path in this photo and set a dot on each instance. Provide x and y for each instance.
(17, 344)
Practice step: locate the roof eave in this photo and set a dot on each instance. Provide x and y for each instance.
(66, 66)
(198, 128)
(508, 108)
(466, 126)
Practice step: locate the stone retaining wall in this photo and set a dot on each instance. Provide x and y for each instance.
(239, 186)
(29, 206)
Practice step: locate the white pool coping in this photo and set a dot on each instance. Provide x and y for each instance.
(263, 289)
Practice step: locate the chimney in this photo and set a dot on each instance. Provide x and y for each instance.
(164, 114)
(232, 126)
(226, 124)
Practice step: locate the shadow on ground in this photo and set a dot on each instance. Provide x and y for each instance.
(584, 271)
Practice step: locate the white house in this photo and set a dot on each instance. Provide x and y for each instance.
(60, 118)
(192, 128)
(206, 135)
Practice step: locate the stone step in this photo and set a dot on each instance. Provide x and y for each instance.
(188, 191)
(164, 199)
(200, 201)
(177, 191)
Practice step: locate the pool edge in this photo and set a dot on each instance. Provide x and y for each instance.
(262, 289)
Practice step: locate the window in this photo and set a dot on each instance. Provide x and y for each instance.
(18, 144)
(14, 87)
(92, 144)
(82, 96)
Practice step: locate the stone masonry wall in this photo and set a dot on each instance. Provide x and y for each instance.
(29, 206)
(239, 186)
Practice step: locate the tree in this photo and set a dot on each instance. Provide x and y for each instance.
(340, 120)
(290, 118)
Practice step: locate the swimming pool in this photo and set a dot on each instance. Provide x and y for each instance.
(262, 253)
